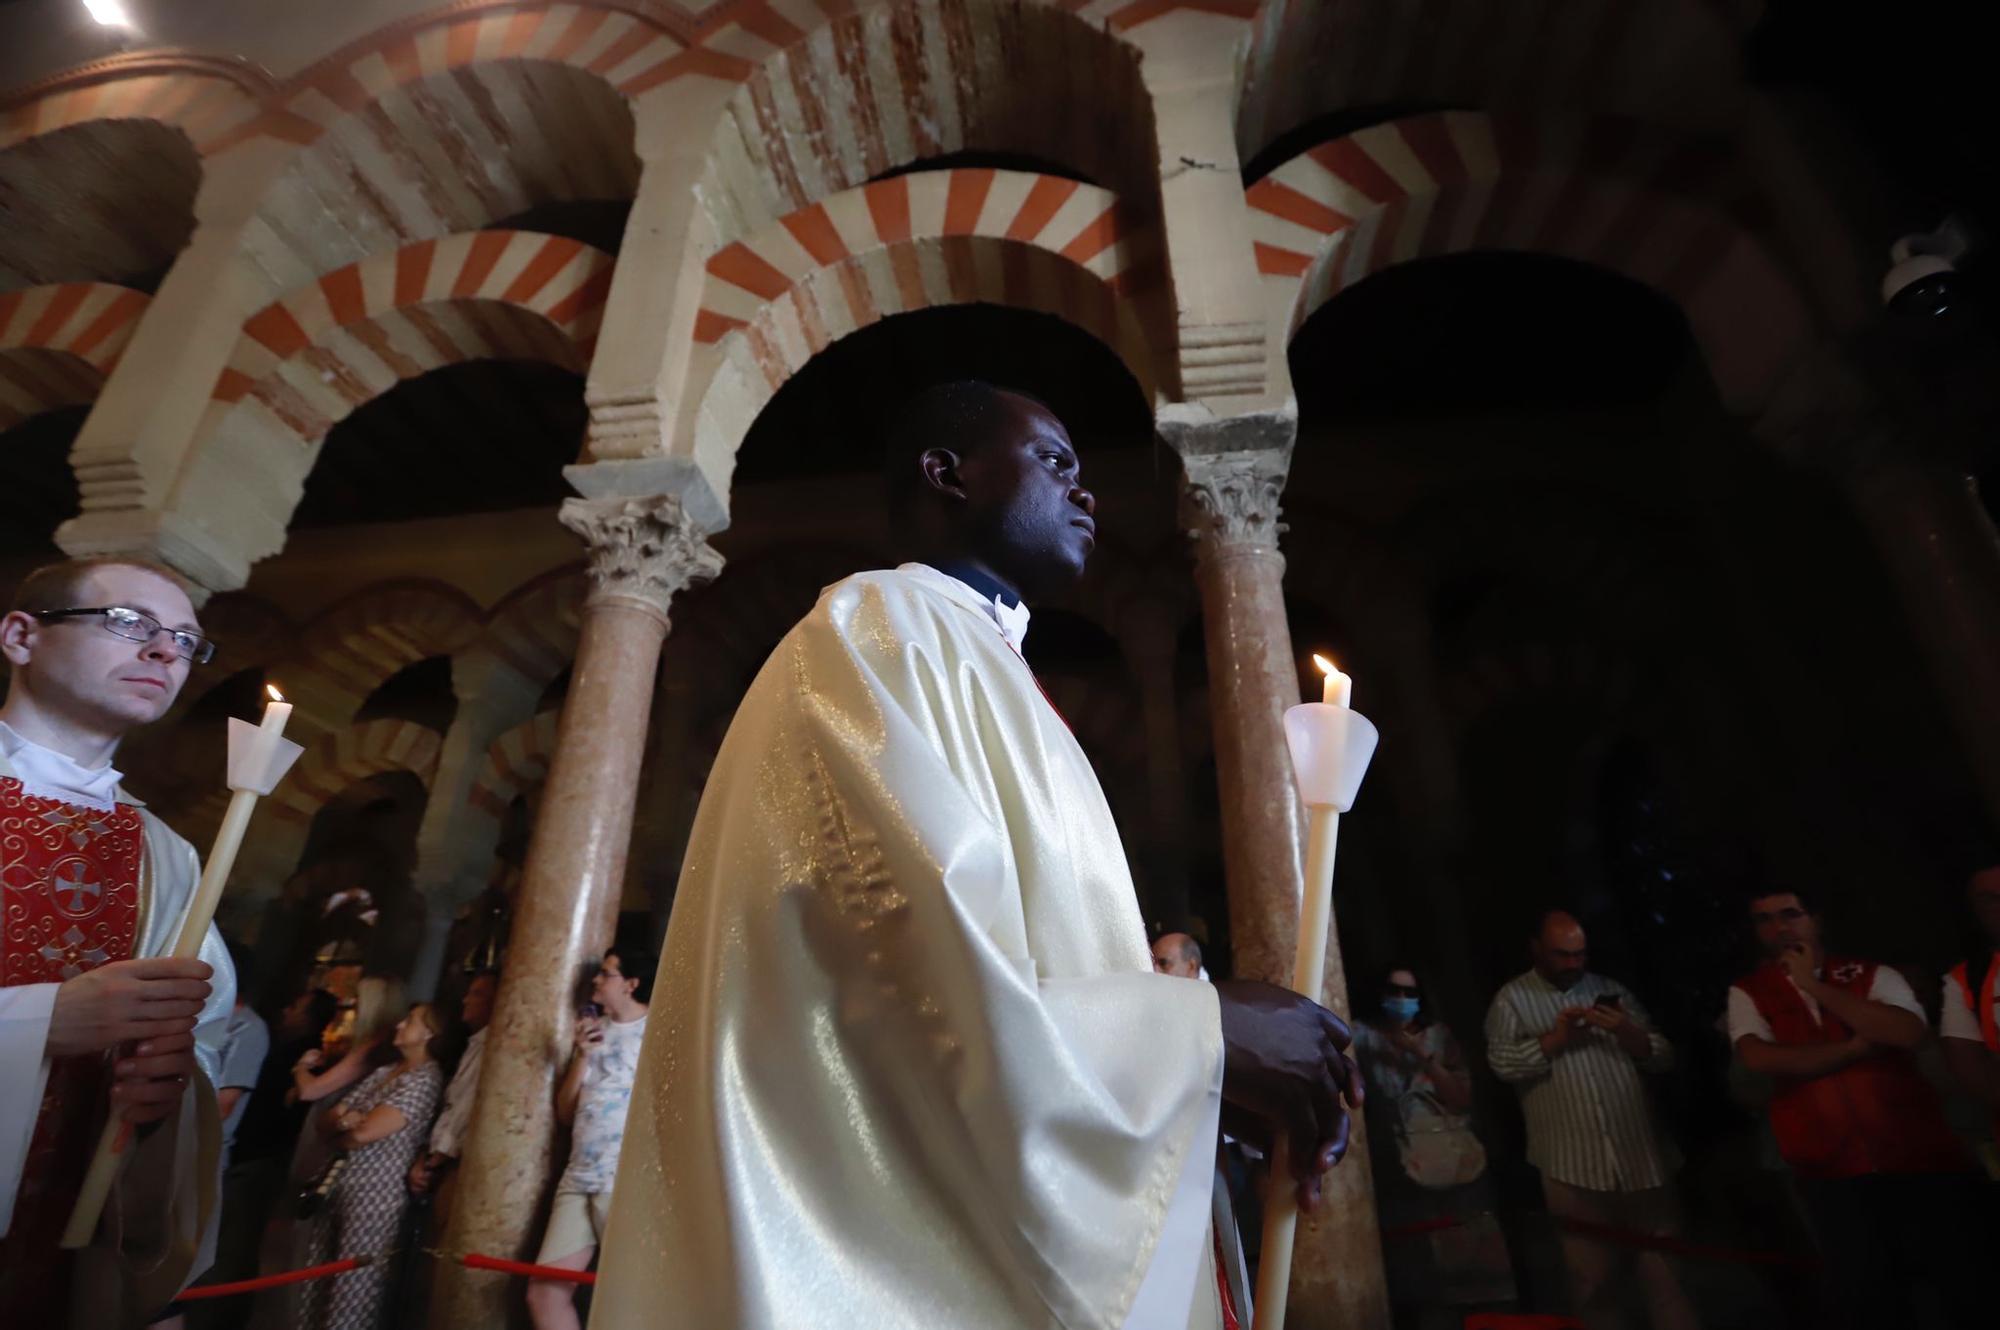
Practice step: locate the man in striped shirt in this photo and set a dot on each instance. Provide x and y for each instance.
(1573, 1045)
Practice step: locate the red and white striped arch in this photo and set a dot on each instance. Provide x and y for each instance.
(194, 95)
(351, 649)
(315, 355)
(1667, 212)
(330, 766)
(534, 630)
(635, 49)
(1673, 62)
(516, 764)
(778, 298)
(631, 50)
(58, 342)
(819, 117)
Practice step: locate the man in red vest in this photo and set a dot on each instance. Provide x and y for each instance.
(1969, 1030)
(1885, 1183)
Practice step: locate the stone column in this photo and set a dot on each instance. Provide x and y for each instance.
(1148, 638)
(1943, 554)
(493, 696)
(1231, 511)
(642, 551)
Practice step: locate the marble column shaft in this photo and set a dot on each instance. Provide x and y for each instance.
(642, 552)
(1232, 513)
(1943, 554)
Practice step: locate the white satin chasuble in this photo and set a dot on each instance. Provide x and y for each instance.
(908, 1064)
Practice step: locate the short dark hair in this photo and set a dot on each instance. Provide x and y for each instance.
(1382, 986)
(1807, 898)
(959, 415)
(56, 586)
(636, 963)
(321, 1007)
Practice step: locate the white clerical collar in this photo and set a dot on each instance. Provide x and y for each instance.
(47, 774)
(1011, 620)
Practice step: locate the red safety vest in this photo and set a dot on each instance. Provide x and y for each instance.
(1981, 1004)
(1877, 1115)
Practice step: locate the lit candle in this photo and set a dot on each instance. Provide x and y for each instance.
(276, 712)
(1339, 687)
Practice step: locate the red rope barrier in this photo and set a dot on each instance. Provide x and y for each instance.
(474, 1261)
(274, 1281)
(1625, 1237)
(1680, 1247)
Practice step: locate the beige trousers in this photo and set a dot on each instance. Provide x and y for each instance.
(1598, 1269)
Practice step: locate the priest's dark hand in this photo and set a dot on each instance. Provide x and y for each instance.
(147, 1083)
(126, 1001)
(1285, 1063)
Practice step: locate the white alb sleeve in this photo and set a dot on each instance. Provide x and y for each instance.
(1744, 1018)
(24, 1071)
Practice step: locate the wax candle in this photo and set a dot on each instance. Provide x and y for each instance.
(1339, 691)
(276, 712)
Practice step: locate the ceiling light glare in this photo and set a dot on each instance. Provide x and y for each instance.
(110, 13)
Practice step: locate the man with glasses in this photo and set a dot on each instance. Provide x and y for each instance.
(95, 890)
(1886, 1185)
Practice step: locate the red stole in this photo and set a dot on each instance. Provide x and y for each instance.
(1877, 1115)
(69, 878)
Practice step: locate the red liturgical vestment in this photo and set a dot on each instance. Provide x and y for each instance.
(69, 902)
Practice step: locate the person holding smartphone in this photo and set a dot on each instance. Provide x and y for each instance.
(1577, 1047)
(593, 1095)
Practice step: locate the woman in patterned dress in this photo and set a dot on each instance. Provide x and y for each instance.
(381, 1124)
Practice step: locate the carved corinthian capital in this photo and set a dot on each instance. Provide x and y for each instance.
(642, 550)
(1230, 501)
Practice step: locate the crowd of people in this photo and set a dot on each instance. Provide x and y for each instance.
(342, 1126)
(347, 1145)
(1898, 1206)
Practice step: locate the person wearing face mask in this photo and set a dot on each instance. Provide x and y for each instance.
(1429, 1164)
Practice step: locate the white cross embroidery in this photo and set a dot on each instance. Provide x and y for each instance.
(75, 893)
(74, 958)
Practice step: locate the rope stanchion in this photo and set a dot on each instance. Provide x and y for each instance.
(263, 1282)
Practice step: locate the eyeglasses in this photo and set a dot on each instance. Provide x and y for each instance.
(135, 626)
(1401, 990)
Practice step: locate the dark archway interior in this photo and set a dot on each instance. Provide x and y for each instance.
(480, 437)
(1641, 661)
(828, 417)
(38, 490)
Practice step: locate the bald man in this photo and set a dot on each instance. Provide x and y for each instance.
(1575, 1046)
(1177, 954)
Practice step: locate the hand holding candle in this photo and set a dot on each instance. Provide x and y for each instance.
(1330, 747)
(259, 757)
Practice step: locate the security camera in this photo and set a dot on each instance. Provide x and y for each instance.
(1923, 280)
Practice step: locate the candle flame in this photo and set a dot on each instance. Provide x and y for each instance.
(272, 690)
(1325, 666)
